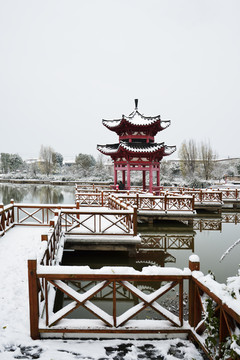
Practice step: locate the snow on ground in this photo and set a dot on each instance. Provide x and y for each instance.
(21, 244)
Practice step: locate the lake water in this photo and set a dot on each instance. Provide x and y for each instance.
(165, 244)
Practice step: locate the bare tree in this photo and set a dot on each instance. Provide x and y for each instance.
(207, 157)
(188, 155)
(47, 159)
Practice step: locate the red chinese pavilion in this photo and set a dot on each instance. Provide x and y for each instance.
(137, 150)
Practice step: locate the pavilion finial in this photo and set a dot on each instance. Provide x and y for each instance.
(136, 104)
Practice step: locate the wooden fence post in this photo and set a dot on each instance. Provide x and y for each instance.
(134, 221)
(2, 217)
(44, 237)
(137, 200)
(165, 202)
(13, 217)
(33, 299)
(193, 201)
(194, 264)
(78, 207)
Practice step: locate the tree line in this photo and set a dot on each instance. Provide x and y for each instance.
(49, 162)
(196, 161)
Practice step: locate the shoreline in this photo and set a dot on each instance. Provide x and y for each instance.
(51, 182)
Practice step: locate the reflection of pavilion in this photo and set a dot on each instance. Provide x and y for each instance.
(150, 258)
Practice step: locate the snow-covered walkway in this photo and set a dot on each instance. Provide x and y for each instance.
(16, 247)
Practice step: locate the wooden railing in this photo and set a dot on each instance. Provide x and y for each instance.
(53, 243)
(6, 218)
(28, 214)
(37, 214)
(214, 316)
(230, 194)
(118, 218)
(112, 283)
(168, 202)
(83, 288)
(92, 199)
(204, 195)
(100, 221)
(220, 194)
(105, 188)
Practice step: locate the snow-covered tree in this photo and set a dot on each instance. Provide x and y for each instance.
(207, 157)
(84, 161)
(188, 155)
(11, 162)
(46, 159)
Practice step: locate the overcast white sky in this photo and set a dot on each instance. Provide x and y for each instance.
(66, 64)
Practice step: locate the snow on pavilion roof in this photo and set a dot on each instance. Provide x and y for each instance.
(136, 119)
(133, 147)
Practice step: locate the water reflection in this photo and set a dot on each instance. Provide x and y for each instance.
(167, 243)
(11, 192)
(31, 193)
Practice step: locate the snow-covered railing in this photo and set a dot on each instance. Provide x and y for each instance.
(52, 243)
(118, 218)
(84, 287)
(92, 198)
(230, 194)
(204, 195)
(105, 188)
(6, 218)
(214, 313)
(98, 197)
(100, 221)
(37, 214)
(167, 202)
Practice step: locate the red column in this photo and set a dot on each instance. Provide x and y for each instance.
(158, 175)
(144, 179)
(128, 177)
(123, 177)
(115, 175)
(150, 178)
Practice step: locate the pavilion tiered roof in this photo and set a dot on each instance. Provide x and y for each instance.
(132, 147)
(135, 121)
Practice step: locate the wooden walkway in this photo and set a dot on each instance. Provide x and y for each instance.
(46, 276)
